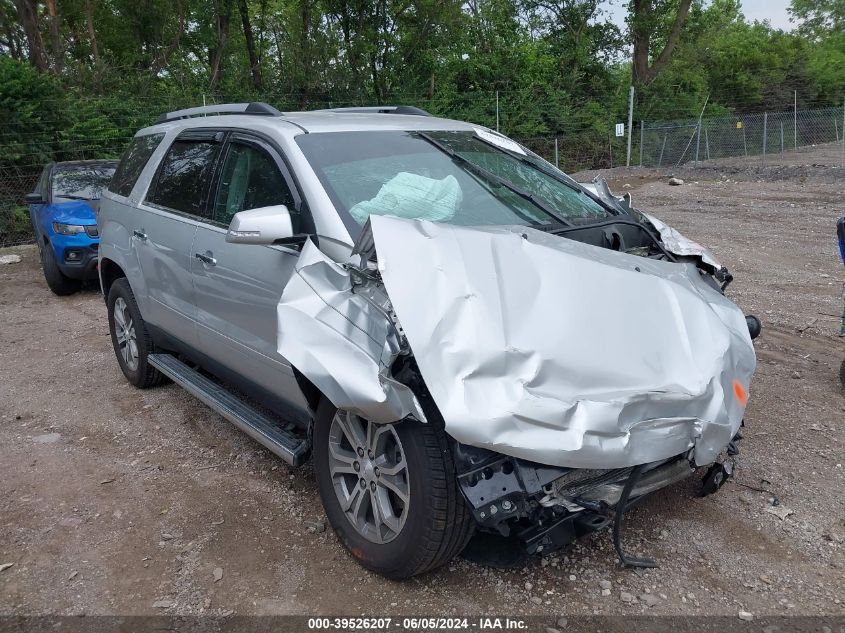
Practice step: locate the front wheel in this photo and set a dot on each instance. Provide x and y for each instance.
(390, 492)
(57, 281)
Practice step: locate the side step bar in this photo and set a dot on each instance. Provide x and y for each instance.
(289, 446)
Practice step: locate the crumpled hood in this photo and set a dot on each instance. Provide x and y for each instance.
(565, 353)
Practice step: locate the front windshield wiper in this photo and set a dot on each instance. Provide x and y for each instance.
(495, 178)
(567, 181)
(71, 196)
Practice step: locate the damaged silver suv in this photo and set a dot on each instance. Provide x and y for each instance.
(474, 348)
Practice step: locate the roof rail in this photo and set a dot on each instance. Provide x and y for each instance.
(401, 109)
(258, 108)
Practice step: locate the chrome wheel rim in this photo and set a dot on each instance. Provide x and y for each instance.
(124, 332)
(370, 476)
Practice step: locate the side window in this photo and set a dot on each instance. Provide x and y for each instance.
(249, 179)
(133, 163)
(184, 176)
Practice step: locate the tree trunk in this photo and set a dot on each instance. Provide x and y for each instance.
(642, 27)
(28, 16)
(254, 67)
(92, 34)
(55, 40)
(305, 53)
(215, 55)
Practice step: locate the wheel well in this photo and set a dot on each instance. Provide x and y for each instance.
(309, 390)
(109, 273)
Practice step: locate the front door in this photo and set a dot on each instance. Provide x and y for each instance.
(237, 286)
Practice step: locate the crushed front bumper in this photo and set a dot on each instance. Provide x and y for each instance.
(541, 508)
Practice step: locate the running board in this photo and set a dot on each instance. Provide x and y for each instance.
(287, 445)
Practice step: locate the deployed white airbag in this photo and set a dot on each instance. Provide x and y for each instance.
(408, 195)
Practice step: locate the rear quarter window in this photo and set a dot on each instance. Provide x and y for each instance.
(184, 176)
(133, 163)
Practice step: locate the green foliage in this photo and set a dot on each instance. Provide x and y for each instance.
(15, 227)
(31, 106)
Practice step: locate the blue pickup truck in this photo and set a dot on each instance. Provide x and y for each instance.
(63, 213)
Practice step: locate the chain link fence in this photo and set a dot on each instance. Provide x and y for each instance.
(753, 138)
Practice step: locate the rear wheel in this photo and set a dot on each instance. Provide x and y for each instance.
(129, 336)
(390, 492)
(57, 281)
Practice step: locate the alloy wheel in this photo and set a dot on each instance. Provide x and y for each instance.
(124, 331)
(370, 476)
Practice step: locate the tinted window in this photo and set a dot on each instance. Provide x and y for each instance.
(184, 174)
(133, 162)
(81, 181)
(250, 179)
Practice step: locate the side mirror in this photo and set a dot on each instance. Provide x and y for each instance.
(265, 225)
(34, 198)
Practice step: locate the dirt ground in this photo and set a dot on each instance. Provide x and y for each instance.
(119, 501)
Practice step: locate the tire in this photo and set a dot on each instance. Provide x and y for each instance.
(129, 331)
(437, 524)
(57, 281)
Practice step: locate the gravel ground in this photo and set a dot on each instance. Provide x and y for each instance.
(119, 501)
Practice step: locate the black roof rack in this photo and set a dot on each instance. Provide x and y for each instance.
(401, 109)
(257, 108)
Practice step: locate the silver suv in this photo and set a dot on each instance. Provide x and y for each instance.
(480, 354)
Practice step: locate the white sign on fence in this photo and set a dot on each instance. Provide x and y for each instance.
(620, 129)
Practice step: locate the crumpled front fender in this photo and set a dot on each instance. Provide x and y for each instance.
(342, 339)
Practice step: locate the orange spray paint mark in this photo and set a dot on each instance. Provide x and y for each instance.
(741, 393)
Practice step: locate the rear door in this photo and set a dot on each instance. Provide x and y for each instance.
(237, 286)
(175, 205)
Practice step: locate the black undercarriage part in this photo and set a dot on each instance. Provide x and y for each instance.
(523, 508)
(618, 522)
(715, 478)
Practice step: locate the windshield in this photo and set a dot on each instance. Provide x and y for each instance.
(453, 177)
(81, 181)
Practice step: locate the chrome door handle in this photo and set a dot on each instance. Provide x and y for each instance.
(206, 258)
(139, 234)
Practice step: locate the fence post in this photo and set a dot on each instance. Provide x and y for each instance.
(795, 120)
(662, 147)
(765, 135)
(630, 124)
(697, 142)
(744, 143)
(557, 155)
(843, 132)
(642, 140)
(781, 138)
(610, 145)
(497, 110)
(706, 144)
